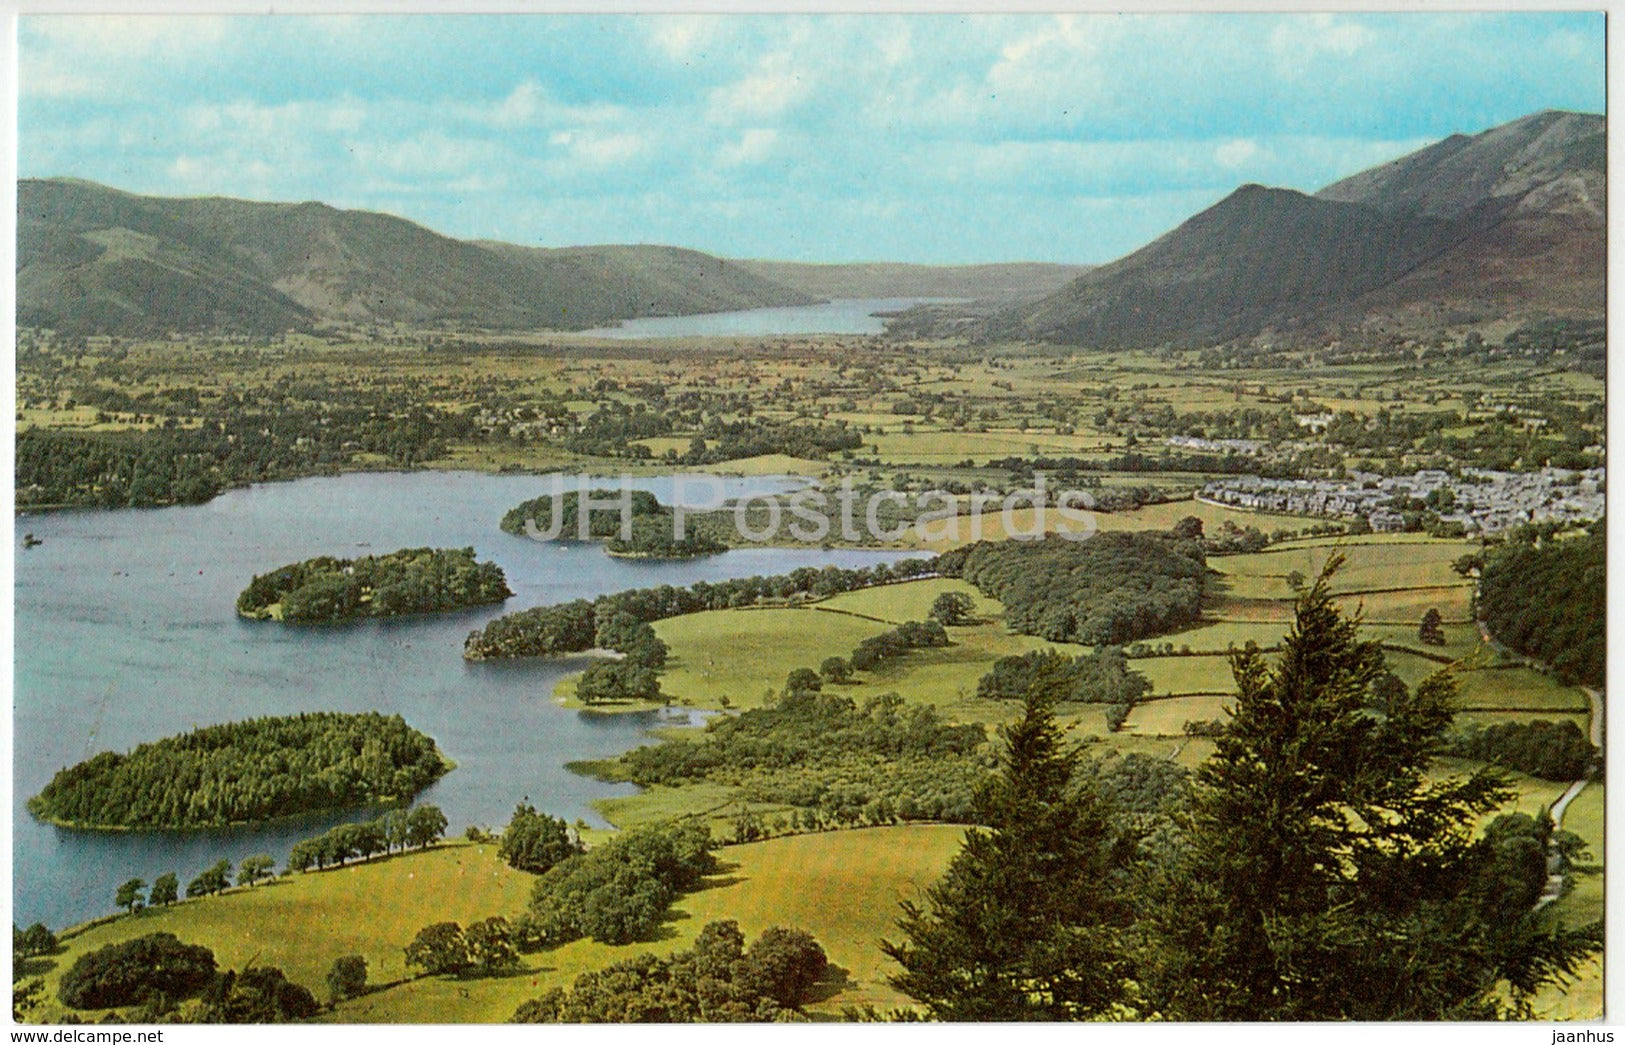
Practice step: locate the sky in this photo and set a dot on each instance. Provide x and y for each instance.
(938, 138)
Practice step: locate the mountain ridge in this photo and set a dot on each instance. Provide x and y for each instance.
(99, 259)
(1507, 223)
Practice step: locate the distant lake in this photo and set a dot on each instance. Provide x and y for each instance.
(126, 631)
(842, 316)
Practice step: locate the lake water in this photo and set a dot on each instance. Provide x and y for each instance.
(125, 632)
(842, 316)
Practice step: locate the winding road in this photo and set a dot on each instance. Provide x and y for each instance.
(1554, 880)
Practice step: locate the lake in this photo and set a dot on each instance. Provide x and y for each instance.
(842, 316)
(126, 631)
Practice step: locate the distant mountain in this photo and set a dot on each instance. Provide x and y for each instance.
(94, 259)
(632, 281)
(1010, 282)
(1510, 223)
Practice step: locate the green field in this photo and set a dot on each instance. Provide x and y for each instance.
(842, 886)
(300, 924)
(1370, 565)
(1195, 674)
(1151, 517)
(744, 655)
(1167, 718)
(908, 601)
(1519, 688)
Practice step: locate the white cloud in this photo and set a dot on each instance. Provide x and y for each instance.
(1300, 44)
(520, 106)
(776, 84)
(1235, 153)
(83, 56)
(598, 148)
(433, 155)
(681, 38)
(754, 146)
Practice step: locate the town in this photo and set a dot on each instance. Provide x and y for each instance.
(1473, 502)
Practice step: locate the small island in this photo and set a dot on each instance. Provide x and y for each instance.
(246, 772)
(653, 534)
(413, 580)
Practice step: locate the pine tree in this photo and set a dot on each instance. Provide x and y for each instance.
(1325, 876)
(1027, 923)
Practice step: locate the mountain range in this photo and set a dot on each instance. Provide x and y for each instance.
(1506, 224)
(93, 259)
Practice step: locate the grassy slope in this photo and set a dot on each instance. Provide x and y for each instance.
(842, 886)
(302, 923)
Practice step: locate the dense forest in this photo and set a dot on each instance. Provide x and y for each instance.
(573, 627)
(1110, 589)
(412, 580)
(243, 772)
(1547, 597)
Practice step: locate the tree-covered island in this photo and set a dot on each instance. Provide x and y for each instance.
(652, 534)
(412, 580)
(246, 772)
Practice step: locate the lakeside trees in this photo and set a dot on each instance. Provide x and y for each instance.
(245, 772)
(165, 890)
(290, 429)
(417, 828)
(652, 532)
(535, 841)
(574, 627)
(412, 580)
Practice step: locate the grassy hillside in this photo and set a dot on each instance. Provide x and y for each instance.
(301, 924)
(842, 886)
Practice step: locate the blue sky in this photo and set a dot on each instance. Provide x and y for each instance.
(931, 138)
